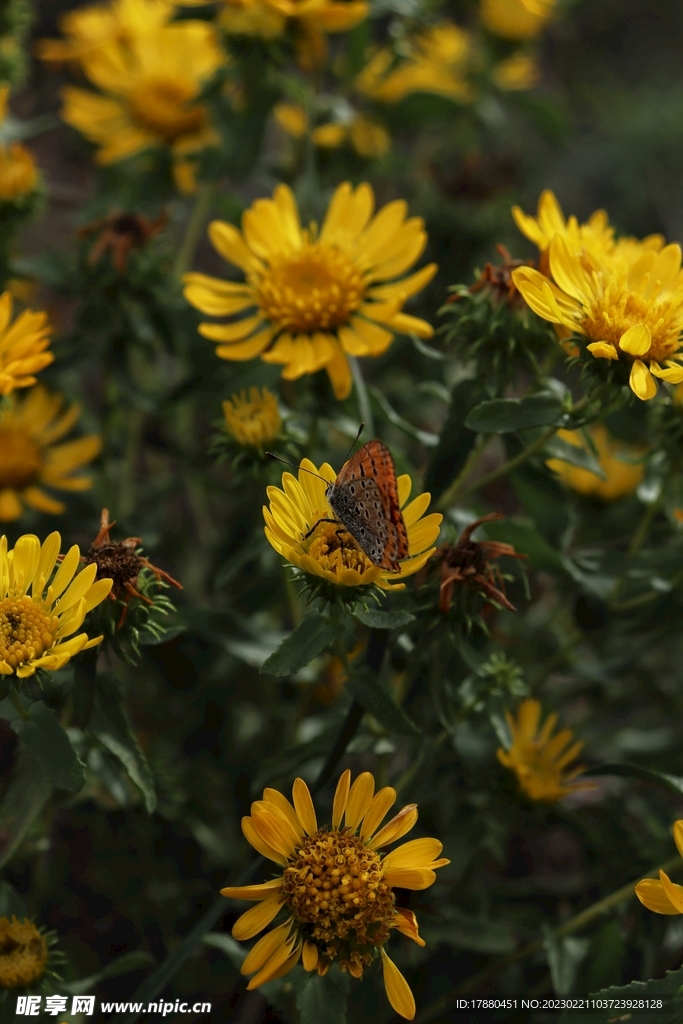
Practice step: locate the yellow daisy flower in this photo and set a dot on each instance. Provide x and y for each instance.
(253, 421)
(330, 552)
(621, 477)
(150, 87)
(88, 28)
(630, 312)
(23, 953)
(29, 456)
(34, 627)
(539, 759)
(335, 888)
(516, 19)
(436, 62)
(518, 72)
(22, 346)
(662, 895)
(596, 235)
(312, 298)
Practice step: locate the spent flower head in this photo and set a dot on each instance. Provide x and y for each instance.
(119, 234)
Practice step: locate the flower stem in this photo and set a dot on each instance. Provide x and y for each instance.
(364, 408)
(194, 228)
(448, 497)
(511, 464)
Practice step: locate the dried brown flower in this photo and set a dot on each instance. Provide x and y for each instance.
(120, 233)
(497, 279)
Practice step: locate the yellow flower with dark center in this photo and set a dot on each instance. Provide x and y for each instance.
(38, 611)
(29, 456)
(662, 895)
(330, 551)
(336, 888)
(312, 298)
(628, 311)
(540, 760)
(516, 19)
(436, 61)
(253, 421)
(22, 346)
(150, 85)
(88, 28)
(622, 477)
(23, 953)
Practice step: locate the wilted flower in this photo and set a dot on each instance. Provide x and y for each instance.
(662, 895)
(436, 61)
(88, 28)
(30, 458)
(336, 888)
(496, 280)
(330, 552)
(621, 476)
(313, 297)
(34, 627)
(120, 234)
(254, 421)
(540, 760)
(22, 346)
(516, 19)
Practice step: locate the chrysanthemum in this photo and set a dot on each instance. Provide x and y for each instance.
(38, 611)
(630, 312)
(150, 85)
(254, 421)
(331, 552)
(335, 890)
(30, 459)
(516, 19)
(621, 476)
(662, 895)
(310, 297)
(22, 346)
(540, 760)
(436, 62)
(595, 235)
(88, 28)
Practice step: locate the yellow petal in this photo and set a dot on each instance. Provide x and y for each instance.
(415, 854)
(341, 797)
(274, 796)
(674, 893)
(252, 892)
(66, 571)
(305, 810)
(678, 836)
(406, 923)
(399, 825)
(271, 969)
(252, 837)
(642, 382)
(309, 956)
(409, 878)
(602, 350)
(398, 989)
(651, 894)
(377, 811)
(360, 795)
(266, 946)
(636, 340)
(254, 920)
(273, 828)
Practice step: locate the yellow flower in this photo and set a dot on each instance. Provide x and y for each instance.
(330, 552)
(621, 477)
(663, 896)
(368, 138)
(630, 312)
(29, 428)
(18, 172)
(22, 346)
(516, 19)
(34, 627)
(539, 759)
(88, 28)
(517, 72)
(151, 85)
(23, 953)
(436, 62)
(253, 421)
(318, 296)
(596, 235)
(335, 888)
(291, 118)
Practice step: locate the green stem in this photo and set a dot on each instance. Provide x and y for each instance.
(643, 527)
(511, 464)
(194, 228)
(364, 408)
(448, 497)
(603, 906)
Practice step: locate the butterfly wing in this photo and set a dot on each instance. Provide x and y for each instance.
(365, 499)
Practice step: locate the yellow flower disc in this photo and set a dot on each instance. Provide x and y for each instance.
(23, 953)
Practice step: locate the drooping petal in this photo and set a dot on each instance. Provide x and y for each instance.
(397, 989)
(642, 382)
(309, 956)
(266, 946)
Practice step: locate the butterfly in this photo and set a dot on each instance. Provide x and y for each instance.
(364, 498)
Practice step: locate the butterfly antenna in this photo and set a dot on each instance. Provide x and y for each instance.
(355, 441)
(301, 468)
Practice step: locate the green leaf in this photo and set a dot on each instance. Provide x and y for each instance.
(124, 964)
(666, 988)
(324, 999)
(639, 771)
(565, 956)
(607, 957)
(11, 903)
(373, 695)
(377, 619)
(310, 638)
(232, 949)
(478, 934)
(23, 802)
(502, 415)
(456, 441)
(110, 725)
(47, 742)
(575, 455)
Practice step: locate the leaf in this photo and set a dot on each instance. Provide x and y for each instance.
(372, 694)
(478, 934)
(639, 771)
(310, 638)
(47, 742)
(378, 619)
(565, 956)
(607, 957)
(575, 455)
(124, 964)
(667, 989)
(502, 415)
(234, 951)
(27, 795)
(456, 441)
(324, 999)
(110, 725)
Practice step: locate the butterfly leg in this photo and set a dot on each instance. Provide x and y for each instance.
(316, 525)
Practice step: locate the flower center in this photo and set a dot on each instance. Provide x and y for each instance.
(335, 549)
(608, 318)
(314, 289)
(161, 105)
(26, 632)
(23, 953)
(20, 461)
(336, 892)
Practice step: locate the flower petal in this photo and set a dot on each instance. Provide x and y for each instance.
(262, 891)
(397, 988)
(642, 382)
(673, 892)
(254, 920)
(636, 340)
(266, 946)
(377, 811)
(252, 837)
(399, 825)
(304, 809)
(651, 894)
(415, 854)
(341, 796)
(360, 795)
